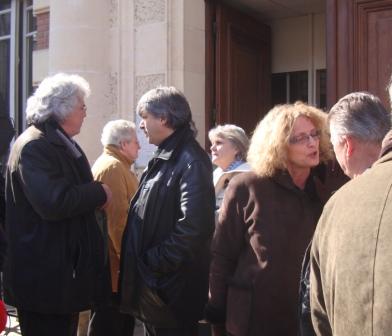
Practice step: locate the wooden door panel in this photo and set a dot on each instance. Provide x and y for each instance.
(377, 65)
(242, 83)
(359, 48)
(245, 63)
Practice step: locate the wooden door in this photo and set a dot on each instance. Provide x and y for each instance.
(359, 48)
(238, 68)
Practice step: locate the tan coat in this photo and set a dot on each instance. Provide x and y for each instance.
(351, 273)
(113, 169)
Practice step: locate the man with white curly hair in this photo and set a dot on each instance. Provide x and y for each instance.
(56, 258)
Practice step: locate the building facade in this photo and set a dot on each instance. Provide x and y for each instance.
(232, 59)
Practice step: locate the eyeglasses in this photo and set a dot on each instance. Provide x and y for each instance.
(304, 139)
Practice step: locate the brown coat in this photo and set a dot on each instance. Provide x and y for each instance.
(351, 286)
(113, 169)
(263, 230)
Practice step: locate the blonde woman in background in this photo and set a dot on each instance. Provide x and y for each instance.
(229, 146)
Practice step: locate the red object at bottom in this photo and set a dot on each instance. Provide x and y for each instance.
(3, 316)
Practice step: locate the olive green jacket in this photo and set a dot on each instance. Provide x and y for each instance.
(351, 256)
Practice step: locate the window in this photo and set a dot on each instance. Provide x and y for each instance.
(17, 42)
(29, 27)
(321, 88)
(289, 87)
(5, 56)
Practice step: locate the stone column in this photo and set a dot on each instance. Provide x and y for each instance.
(187, 55)
(150, 54)
(170, 50)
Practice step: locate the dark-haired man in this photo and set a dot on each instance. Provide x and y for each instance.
(165, 249)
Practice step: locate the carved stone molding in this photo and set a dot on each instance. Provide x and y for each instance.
(145, 83)
(149, 11)
(111, 95)
(113, 13)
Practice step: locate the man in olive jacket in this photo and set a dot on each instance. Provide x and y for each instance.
(350, 281)
(165, 248)
(55, 262)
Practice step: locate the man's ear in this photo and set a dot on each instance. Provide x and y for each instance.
(350, 145)
(163, 121)
(122, 145)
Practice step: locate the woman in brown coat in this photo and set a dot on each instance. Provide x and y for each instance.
(267, 219)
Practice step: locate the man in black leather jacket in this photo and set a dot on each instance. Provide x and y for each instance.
(165, 247)
(55, 261)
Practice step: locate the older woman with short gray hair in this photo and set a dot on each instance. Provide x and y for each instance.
(229, 146)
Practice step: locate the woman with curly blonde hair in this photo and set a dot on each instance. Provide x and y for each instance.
(267, 153)
(266, 221)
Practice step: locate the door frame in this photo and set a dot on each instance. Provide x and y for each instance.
(210, 60)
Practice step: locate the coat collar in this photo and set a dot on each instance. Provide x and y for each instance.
(387, 156)
(49, 128)
(283, 178)
(57, 136)
(169, 146)
(219, 173)
(116, 153)
(386, 146)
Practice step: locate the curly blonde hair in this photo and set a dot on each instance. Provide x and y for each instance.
(268, 147)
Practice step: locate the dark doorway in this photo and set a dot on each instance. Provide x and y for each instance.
(238, 60)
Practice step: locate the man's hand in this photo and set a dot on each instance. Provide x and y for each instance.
(108, 193)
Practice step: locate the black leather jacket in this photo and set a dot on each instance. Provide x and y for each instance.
(165, 247)
(55, 248)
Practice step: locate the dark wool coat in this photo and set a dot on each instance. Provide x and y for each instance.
(263, 230)
(55, 247)
(165, 247)
(351, 273)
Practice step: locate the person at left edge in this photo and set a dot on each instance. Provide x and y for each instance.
(55, 265)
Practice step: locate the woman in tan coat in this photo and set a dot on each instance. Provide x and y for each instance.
(266, 221)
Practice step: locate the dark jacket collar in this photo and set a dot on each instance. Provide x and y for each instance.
(49, 127)
(57, 136)
(168, 147)
(283, 178)
(386, 146)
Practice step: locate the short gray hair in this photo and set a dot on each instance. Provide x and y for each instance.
(117, 131)
(168, 103)
(56, 97)
(235, 134)
(359, 114)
